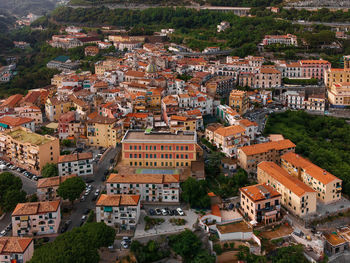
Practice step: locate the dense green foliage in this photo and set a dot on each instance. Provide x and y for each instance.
(322, 139)
(49, 170)
(24, 7)
(189, 247)
(11, 192)
(76, 246)
(300, 81)
(248, 3)
(195, 192)
(322, 15)
(150, 252)
(71, 188)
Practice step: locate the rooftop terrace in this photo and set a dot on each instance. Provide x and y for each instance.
(28, 137)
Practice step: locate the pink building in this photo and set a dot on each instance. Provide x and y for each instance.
(16, 249)
(68, 125)
(261, 203)
(314, 68)
(36, 218)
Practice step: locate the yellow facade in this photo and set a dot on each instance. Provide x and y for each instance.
(105, 134)
(239, 101)
(55, 108)
(339, 94)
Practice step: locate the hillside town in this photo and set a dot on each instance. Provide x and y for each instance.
(152, 119)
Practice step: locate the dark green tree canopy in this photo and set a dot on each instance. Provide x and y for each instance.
(49, 170)
(71, 188)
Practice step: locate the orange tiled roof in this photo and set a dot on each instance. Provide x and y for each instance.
(267, 146)
(247, 123)
(215, 210)
(14, 121)
(118, 200)
(12, 100)
(279, 174)
(334, 239)
(35, 208)
(75, 157)
(313, 170)
(144, 178)
(257, 192)
(53, 181)
(9, 245)
(266, 70)
(229, 131)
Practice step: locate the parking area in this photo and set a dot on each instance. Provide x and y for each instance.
(328, 209)
(166, 227)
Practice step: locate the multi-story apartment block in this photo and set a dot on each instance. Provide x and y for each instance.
(268, 77)
(314, 69)
(150, 187)
(220, 86)
(32, 112)
(54, 108)
(36, 218)
(103, 131)
(251, 128)
(261, 203)
(327, 186)
(316, 102)
(70, 126)
(294, 99)
(159, 149)
(118, 210)
(9, 122)
(297, 197)
(228, 139)
(29, 150)
(47, 187)
(339, 95)
(77, 163)
(289, 39)
(338, 75)
(182, 123)
(16, 249)
(239, 101)
(291, 70)
(250, 156)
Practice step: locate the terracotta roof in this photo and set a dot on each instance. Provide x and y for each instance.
(53, 181)
(314, 62)
(31, 97)
(276, 137)
(215, 210)
(194, 112)
(290, 182)
(75, 157)
(144, 178)
(258, 192)
(9, 245)
(213, 127)
(12, 101)
(118, 200)
(178, 118)
(266, 70)
(247, 123)
(311, 169)
(137, 74)
(102, 120)
(35, 208)
(229, 131)
(15, 121)
(334, 239)
(267, 146)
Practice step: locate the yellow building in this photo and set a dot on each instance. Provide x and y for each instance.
(29, 150)
(182, 123)
(55, 108)
(297, 197)
(339, 94)
(239, 101)
(109, 64)
(103, 131)
(153, 98)
(250, 156)
(327, 186)
(338, 75)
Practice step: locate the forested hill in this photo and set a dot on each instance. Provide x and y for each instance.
(24, 7)
(243, 3)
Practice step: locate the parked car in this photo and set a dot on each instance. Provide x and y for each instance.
(179, 210)
(82, 199)
(9, 227)
(164, 212)
(175, 212)
(158, 211)
(152, 212)
(86, 211)
(97, 192)
(2, 233)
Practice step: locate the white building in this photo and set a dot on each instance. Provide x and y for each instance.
(223, 26)
(78, 163)
(150, 187)
(118, 210)
(294, 99)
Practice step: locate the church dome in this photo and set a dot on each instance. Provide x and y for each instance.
(151, 68)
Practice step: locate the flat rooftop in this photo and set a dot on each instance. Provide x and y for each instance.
(28, 137)
(156, 171)
(234, 227)
(141, 136)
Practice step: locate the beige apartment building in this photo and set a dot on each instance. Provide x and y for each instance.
(47, 187)
(268, 77)
(327, 186)
(36, 218)
(297, 197)
(338, 75)
(261, 203)
(250, 156)
(118, 210)
(55, 108)
(29, 150)
(16, 249)
(239, 101)
(150, 187)
(339, 94)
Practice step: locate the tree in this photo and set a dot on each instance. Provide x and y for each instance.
(10, 191)
(12, 198)
(203, 257)
(49, 170)
(71, 188)
(186, 244)
(195, 192)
